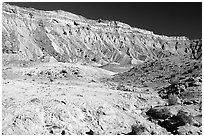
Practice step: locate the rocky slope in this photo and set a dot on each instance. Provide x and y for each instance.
(178, 81)
(32, 35)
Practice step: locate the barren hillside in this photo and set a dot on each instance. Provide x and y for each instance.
(36, 35)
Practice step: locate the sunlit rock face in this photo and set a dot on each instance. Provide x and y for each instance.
(33, 35)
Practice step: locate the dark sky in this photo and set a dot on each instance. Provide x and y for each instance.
(171, 19)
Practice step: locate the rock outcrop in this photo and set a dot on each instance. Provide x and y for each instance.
(33, 35)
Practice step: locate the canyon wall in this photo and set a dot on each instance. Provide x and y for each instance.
(34, 35)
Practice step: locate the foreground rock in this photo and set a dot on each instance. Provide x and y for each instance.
(65, 99)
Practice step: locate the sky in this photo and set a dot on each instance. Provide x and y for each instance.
(167, 18)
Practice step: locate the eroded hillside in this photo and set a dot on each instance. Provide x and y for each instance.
(31, 35)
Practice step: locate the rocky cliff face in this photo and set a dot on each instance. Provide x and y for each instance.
(34, 35)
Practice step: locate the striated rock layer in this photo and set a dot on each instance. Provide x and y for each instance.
(34, 35)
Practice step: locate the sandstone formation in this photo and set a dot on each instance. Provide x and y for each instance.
(32, 35)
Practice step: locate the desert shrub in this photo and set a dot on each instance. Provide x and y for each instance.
(172, 99)
(184, 118)
(122, 87)
(161, 113)
(170, 124)
(137, 130)
(90, 132)
(63, 71)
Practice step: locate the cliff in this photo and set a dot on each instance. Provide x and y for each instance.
(34, 35)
